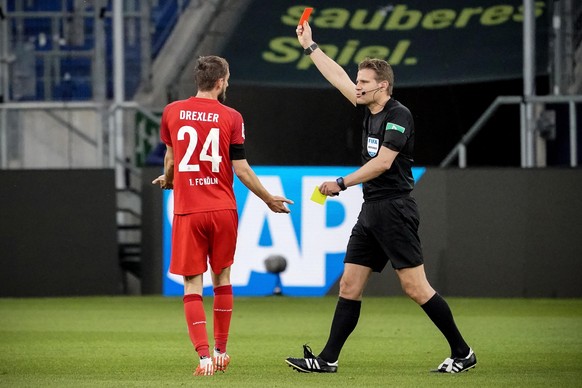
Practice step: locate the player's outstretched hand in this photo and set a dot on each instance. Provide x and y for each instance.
(163, 182)
(277, 204)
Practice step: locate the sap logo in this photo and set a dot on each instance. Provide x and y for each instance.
(313, 238)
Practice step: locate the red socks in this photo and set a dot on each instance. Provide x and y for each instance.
(196, 320)
(223, 301)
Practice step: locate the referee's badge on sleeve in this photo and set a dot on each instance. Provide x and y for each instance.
(395, 127)
(373, 145)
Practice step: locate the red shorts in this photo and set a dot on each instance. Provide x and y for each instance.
(199, 238)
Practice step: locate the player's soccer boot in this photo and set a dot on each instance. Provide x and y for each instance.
(310, 363)
(221, 361)
(458, 365)
(206, 368)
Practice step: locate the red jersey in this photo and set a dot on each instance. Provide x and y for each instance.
(200, 131)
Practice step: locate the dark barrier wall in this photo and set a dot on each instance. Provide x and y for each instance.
(485, 233)
(58, 233)
(499, 233)
(151, 256)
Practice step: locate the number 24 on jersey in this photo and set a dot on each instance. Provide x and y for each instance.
(210, 144)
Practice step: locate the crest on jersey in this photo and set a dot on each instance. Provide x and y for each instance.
(373, 146)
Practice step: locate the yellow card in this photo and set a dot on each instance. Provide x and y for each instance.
(318, 197)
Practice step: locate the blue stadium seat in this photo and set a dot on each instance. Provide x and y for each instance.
(39, 31)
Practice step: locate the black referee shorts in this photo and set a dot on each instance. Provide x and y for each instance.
(386, 230)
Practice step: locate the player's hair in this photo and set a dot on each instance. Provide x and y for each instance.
(210, 69)
(382, 69)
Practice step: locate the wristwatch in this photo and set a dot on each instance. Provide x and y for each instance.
(310, 49)
(340, 183)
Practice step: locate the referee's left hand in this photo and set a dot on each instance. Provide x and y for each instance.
(330, 188)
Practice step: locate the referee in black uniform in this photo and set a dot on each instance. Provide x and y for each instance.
(387, 227)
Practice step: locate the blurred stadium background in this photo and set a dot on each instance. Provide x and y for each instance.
(495, 88)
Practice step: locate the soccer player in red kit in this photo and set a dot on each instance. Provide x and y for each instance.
(204, 144)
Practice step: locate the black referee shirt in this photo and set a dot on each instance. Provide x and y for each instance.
(393, 127)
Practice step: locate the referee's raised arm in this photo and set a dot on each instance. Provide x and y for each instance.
(334, 73)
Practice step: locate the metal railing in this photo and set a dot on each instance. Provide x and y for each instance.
(460, 150)
(86, 129)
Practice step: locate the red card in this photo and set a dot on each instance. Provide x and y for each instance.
(305, 16)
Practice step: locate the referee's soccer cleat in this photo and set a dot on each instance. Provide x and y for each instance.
(310, 363)
(221, 361)
(458, 365)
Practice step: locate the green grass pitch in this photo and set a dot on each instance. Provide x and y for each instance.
(142, 342)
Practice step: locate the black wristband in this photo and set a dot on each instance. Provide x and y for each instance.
(310, 49)
(340, 183)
